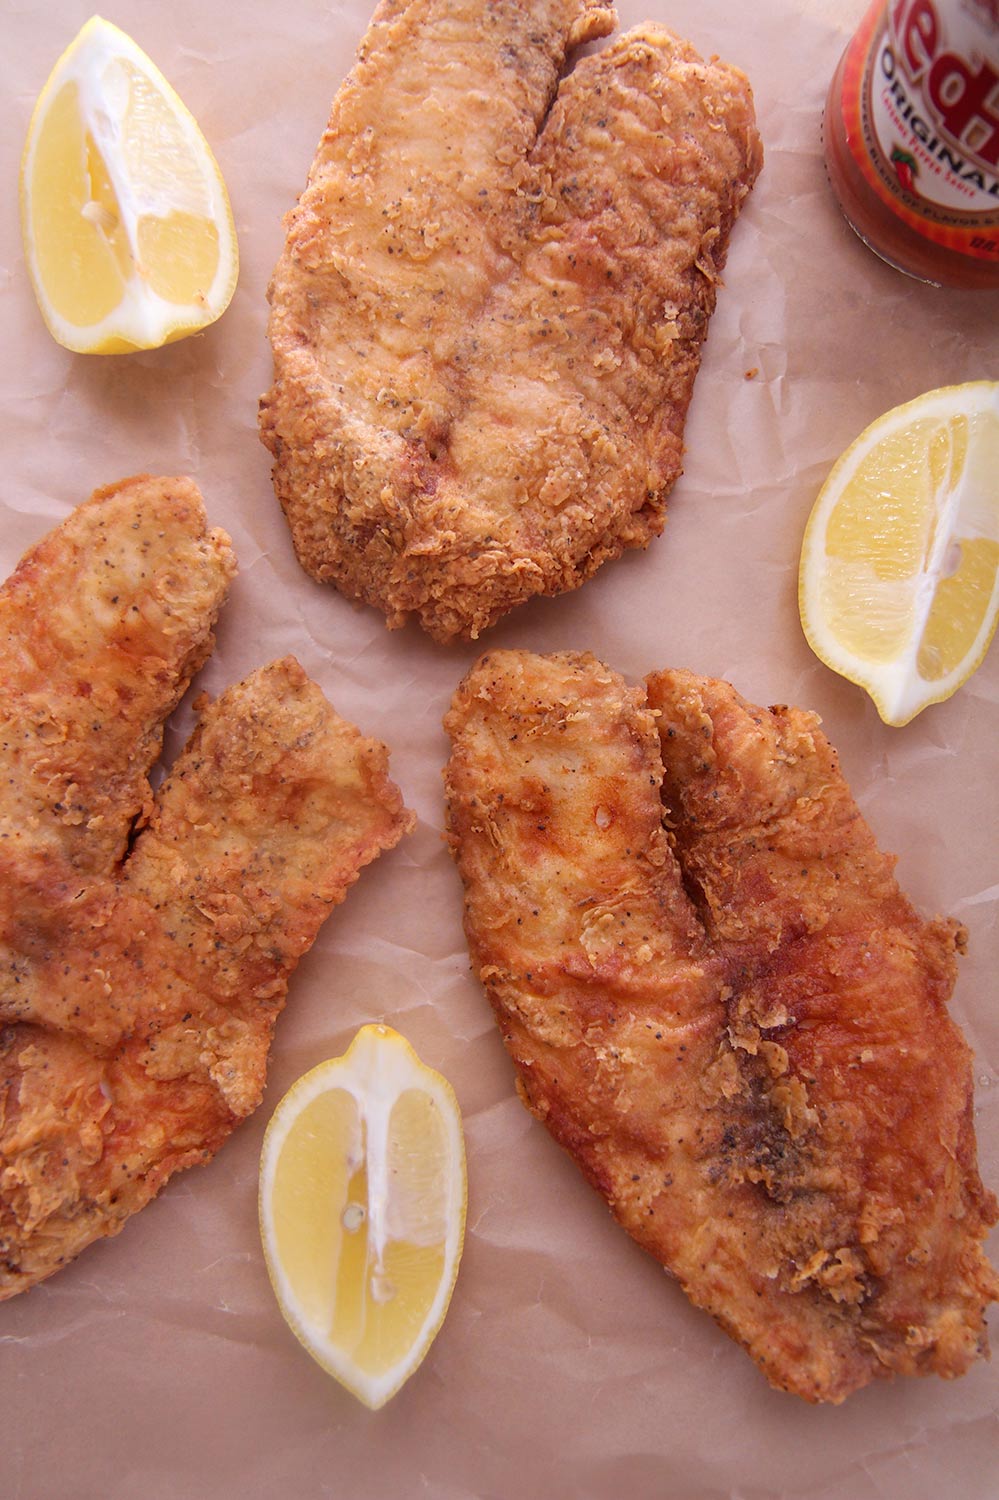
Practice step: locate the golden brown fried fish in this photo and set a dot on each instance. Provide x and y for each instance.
(720, 1002)
(489, 313)
(139, 988)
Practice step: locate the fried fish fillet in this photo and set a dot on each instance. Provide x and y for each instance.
(489, 312)
(721, 1004)
(139, 985)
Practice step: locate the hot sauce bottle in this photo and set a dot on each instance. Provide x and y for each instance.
(912, 138)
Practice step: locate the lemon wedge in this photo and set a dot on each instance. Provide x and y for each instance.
(128, 231)
(898, 588)
(362, 1210)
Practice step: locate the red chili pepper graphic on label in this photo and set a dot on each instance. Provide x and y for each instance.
(906, 168)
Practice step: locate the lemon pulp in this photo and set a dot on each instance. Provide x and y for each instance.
(127, 224)
(899, 580)
(362, 1210)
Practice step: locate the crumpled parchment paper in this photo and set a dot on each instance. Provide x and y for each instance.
(158, 1366)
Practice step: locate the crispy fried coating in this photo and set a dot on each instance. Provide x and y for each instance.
(721, 1004)
(489, 312)
(139, 986)
(102, 626)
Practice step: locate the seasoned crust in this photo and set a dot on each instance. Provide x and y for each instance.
(147, 941)
(489, 314)
(720, 1003)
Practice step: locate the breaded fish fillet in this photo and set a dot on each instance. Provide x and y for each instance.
(139, 988)
(720, 1002)
(489, 312)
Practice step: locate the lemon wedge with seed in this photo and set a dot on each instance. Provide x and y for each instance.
(898, 587)
(128, 232)
(362, 1210)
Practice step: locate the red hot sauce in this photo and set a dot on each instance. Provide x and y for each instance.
(912, 138)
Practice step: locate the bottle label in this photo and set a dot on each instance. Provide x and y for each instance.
(921, 111)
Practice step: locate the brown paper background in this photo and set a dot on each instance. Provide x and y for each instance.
(158, 1366)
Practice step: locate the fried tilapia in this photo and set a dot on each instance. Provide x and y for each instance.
(489, 312)
(721, 1004)
(146, 942)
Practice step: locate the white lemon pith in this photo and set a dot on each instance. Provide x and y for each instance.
(362, 1210)
(899, 579)
(128, 232)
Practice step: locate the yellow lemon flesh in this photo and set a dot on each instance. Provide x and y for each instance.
(362, 1210)
(128, 231)
(898, 587)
